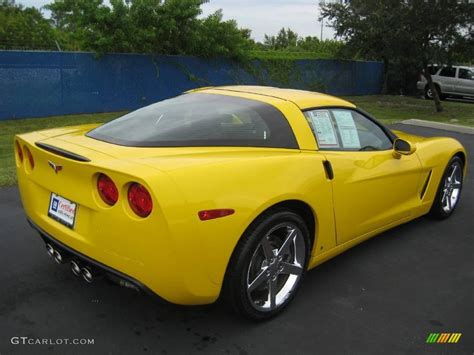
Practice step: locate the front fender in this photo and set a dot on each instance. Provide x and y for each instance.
(434, 154)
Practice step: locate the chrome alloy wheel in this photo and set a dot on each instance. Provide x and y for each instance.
(452, 187)
(429, 93)
(276, 267)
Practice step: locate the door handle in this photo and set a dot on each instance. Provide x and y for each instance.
(328, 169)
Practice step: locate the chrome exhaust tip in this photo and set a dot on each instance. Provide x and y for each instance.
(50, 250)
(58, 257)
(87, 275)
(76, 268)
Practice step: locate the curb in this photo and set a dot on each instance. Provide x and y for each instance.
(439, 125)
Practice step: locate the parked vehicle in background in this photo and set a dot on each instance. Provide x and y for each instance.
(449, 81)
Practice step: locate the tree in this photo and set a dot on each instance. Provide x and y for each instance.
(288, 40)
(285, 39)
(371, 29)
(221, 38)
(309, 43)
(24, 28)
(147, 26)
(415, 33)
(463, 49)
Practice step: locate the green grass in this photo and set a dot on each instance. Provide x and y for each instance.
(8, 129)
(391, 109)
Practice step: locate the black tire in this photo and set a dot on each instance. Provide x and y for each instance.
(236, 284)
(439, 209)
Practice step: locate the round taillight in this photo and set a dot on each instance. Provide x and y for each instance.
(19, 151)
(107, 190)
(30, 157)
(140, 200)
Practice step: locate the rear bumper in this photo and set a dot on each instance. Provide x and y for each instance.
(420, 85)
(167, 252)
(158, 281)
(98, 266)
(171, 252)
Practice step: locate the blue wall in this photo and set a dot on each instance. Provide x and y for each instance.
(37, 84)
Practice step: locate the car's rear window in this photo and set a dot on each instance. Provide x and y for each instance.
(200, 119)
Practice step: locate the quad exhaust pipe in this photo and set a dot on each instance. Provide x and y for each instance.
(77, 269)
(87, 275)
(58, 256)
(50, 250)
(82, 271)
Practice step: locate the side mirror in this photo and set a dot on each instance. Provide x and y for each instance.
(402, 147)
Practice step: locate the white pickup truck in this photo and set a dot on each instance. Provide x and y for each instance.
(449, 81)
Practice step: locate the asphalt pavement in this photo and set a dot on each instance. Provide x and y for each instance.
(384, 296)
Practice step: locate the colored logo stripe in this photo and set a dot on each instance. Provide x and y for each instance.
(432, 338)
(441, 338)
(454, 338)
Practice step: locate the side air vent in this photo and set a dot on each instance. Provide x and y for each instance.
(425, 185)
(62, 152)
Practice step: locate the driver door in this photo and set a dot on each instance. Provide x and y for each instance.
(372, 188)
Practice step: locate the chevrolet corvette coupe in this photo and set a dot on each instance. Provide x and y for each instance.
(228, 191)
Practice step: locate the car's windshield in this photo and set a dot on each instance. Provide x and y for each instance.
(200, 119)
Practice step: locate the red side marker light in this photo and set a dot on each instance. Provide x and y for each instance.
(218, 213)
(19, 151)
(30, 158)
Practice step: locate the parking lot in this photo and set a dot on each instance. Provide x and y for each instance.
(384, 296)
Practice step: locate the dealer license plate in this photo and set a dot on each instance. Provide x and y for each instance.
(62, 210)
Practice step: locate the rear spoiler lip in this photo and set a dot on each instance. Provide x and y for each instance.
(61, 152)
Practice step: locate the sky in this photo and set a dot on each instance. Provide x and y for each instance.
(261, 16)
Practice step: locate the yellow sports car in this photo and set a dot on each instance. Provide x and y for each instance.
(234, 191)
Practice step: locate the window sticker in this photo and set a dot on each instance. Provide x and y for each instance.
(324, 129)
(347, 129)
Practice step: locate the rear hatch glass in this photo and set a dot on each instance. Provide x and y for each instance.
(199, 120)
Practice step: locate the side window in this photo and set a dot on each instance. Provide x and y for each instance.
(466, 74)
(342, 129)
(449, 72)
